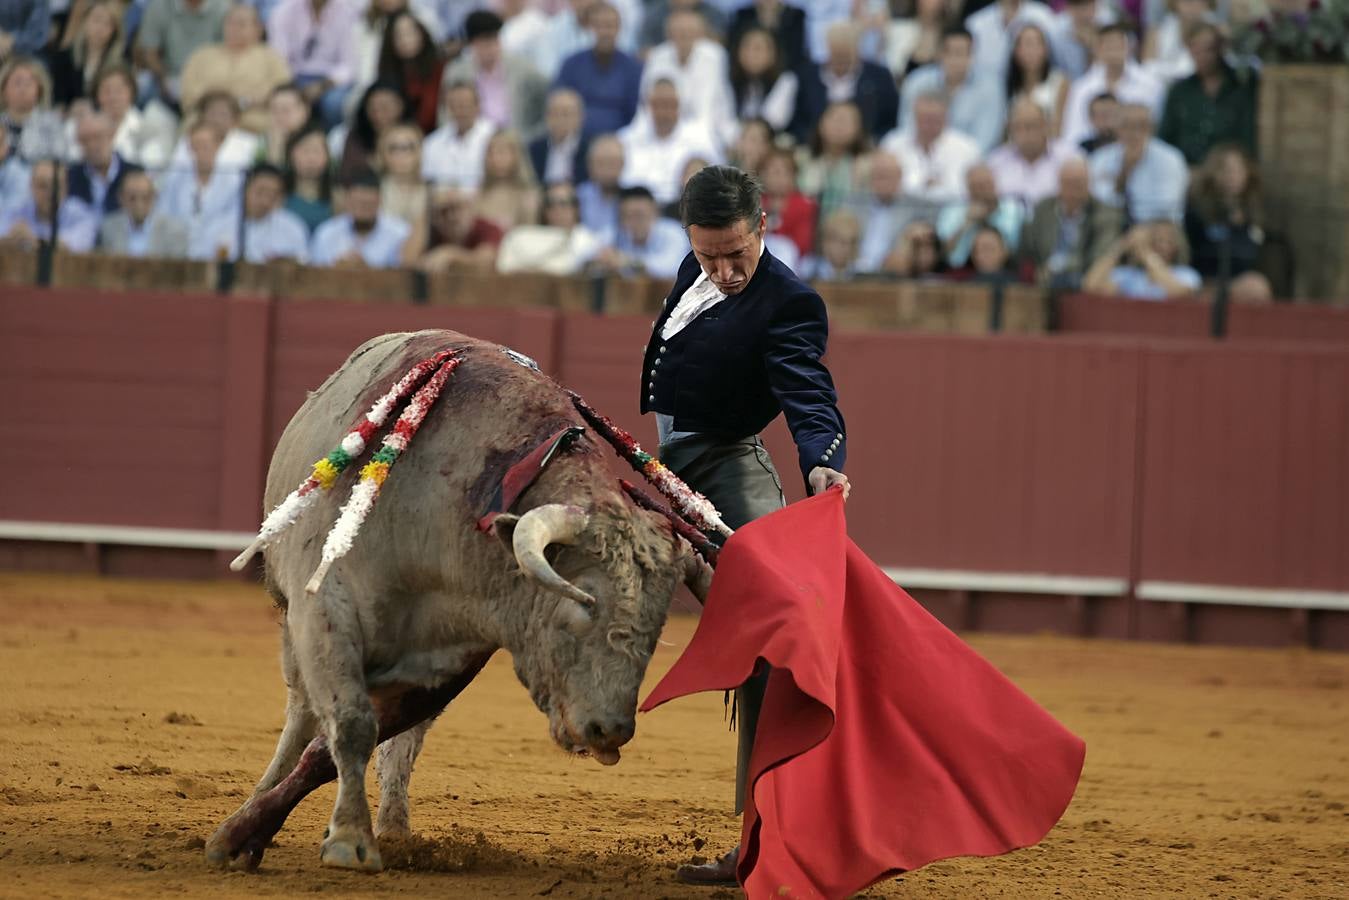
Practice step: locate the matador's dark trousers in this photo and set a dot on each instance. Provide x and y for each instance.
(739, 478)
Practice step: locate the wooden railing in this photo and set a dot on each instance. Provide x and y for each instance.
(938, 307)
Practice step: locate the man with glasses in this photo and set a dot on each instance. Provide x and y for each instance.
(138, 229)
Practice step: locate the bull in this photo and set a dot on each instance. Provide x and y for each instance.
(575, 584)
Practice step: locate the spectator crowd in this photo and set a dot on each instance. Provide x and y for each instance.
(1103, 145)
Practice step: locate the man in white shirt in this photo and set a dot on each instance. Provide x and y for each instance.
(453, 154)
(1115, 73)
(657, 146)
(362, 237)
(270, 231)
(204, 191)
(699, 69)
(933, 157)
(993, 26)
(1027, 166)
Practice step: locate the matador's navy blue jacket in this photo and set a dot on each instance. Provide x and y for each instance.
(735, 367)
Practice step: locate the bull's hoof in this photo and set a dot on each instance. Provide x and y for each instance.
(221, 854)
(347, 848)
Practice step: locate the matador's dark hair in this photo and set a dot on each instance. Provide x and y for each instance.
(720, 196)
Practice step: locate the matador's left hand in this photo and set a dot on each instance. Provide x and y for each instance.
(822, 479)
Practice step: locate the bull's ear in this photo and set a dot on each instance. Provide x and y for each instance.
(503, 526)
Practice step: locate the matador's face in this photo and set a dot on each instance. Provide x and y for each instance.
(729, 255)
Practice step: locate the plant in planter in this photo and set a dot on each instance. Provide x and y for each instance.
(1313, 31)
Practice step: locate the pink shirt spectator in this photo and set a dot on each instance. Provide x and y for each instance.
(317, 46)
(494, 96)
(1026, 180)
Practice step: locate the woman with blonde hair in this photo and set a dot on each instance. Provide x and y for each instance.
(98, 43)
(25, 95)
(402, 192)
(509, 194)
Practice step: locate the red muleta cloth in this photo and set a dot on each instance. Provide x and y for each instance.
(884, 742)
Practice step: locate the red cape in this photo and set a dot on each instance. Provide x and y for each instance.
(885, 742)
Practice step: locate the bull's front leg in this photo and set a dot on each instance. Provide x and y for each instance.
(333, 671)
(394, 765)
(244, 836)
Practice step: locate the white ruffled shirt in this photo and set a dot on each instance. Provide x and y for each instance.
(701, 296)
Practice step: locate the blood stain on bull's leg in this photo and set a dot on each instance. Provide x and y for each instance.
(243, 837)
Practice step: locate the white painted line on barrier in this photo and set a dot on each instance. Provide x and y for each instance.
(1009, 582)
(184, 538)
(1291, 598)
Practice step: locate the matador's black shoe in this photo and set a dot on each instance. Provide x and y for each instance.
(714, 874)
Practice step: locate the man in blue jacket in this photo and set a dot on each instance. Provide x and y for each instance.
(739, 341)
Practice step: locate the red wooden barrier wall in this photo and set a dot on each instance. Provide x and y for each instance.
(1084, 314)
(1190, 462)
(114, 409)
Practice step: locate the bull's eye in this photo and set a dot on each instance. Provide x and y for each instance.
(575, 617)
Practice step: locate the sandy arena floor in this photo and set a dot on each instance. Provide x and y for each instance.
(134, 716)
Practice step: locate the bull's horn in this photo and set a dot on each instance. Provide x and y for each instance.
(555, 523)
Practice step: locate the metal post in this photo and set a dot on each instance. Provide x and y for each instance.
(1218, 319)
(598, 287)
(46, 254)
(995, 307)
